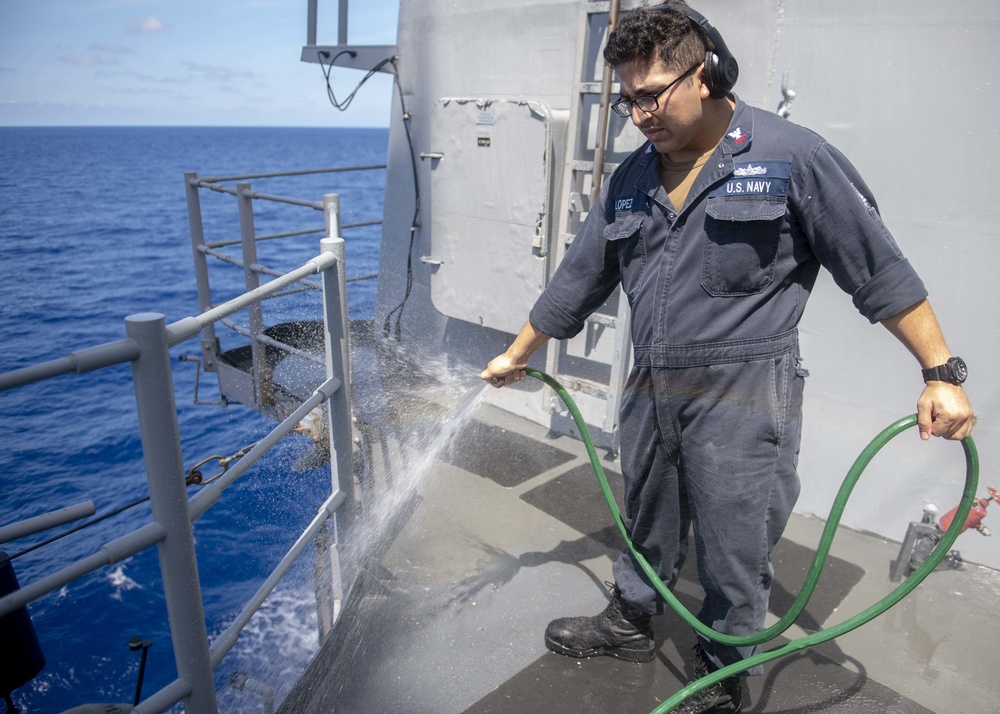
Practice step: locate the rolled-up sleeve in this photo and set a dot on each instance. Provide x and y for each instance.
(847, 235)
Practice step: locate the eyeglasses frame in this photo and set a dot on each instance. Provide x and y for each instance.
(619, 107)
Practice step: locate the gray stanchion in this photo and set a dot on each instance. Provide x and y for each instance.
(161, 448)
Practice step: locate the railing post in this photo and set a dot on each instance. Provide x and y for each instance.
(338, 364)
(248, 239)
(311, 7)
(209, 342)
(335, 302)
(342, 23)
(161, 448)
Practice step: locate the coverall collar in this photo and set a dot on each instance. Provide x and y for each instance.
(736, 140)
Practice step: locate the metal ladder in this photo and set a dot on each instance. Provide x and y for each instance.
(589, 157)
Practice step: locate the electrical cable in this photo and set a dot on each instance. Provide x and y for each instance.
(815, 570)
(414, 224)
(342, 105)
(75, 529)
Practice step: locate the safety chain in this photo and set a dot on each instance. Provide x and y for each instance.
(195, 476)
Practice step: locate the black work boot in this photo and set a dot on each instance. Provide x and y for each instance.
(724, 696)
(620, 631)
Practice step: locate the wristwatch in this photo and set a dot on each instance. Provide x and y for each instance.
(954, 371)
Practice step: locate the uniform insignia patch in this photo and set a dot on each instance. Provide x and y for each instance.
(738, 137)
(756, 178)
(750, 170)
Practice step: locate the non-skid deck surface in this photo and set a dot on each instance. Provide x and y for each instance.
(504, 456)
(451, 619)
(798, 684)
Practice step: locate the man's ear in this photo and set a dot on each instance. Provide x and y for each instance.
(703, 89)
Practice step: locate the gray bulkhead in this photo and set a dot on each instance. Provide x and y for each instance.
(463, 63)
(905, 90)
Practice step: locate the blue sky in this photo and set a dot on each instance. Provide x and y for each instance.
(184, 62)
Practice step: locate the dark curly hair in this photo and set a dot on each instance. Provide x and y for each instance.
(656, 33)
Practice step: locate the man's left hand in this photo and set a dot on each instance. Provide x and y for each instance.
(944, 410)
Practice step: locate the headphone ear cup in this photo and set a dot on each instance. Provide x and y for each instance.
(720, 76)
(712, 75)
(729, 72)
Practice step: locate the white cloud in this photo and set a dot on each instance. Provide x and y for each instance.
(139, 25)
(112, 48)
(220, 74)
(119, 90)
(140, 76)
(90, 59)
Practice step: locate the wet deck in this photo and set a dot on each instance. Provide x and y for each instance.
(510, 532)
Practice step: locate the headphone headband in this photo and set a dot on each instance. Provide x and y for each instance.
(721, 67)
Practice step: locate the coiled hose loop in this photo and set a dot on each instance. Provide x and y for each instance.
(815, 570)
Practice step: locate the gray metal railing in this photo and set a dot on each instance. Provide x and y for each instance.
(147, 347)
(248, 241)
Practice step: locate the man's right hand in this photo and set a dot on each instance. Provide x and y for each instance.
(509, 367)
(502, 370)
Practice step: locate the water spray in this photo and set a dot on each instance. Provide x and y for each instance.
(812, 577)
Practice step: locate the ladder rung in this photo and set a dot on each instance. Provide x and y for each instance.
(584, 386)
(588, 166)
(595, 88)
(599, 318)
(603, 6)
(596, 8)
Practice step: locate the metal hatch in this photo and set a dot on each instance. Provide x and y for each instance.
(491, 177)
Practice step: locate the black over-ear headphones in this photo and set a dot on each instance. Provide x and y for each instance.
(721, 68)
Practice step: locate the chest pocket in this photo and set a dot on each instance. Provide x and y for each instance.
(741, 244)
(625, 234)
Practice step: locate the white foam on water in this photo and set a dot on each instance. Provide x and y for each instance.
(121, 582)
(273, 649)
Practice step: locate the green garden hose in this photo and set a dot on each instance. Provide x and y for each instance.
(812, 577)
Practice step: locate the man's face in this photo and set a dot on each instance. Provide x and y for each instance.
(675, 125)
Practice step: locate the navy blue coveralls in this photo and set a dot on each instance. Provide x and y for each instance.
(710, 417)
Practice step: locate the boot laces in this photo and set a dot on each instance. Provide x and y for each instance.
(719, 694)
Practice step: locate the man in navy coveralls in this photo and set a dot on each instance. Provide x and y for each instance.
(716, 228)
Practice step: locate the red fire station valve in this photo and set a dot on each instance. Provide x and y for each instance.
(976, 514)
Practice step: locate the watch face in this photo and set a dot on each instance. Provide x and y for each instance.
(959, 368)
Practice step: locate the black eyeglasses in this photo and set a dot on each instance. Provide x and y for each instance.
(647, 103)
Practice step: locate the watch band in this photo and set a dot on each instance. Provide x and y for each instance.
(939, 374)
(953, 371)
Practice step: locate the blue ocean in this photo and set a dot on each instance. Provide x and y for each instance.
(93, 228)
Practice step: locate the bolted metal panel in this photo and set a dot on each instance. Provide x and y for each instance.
(491, 177)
